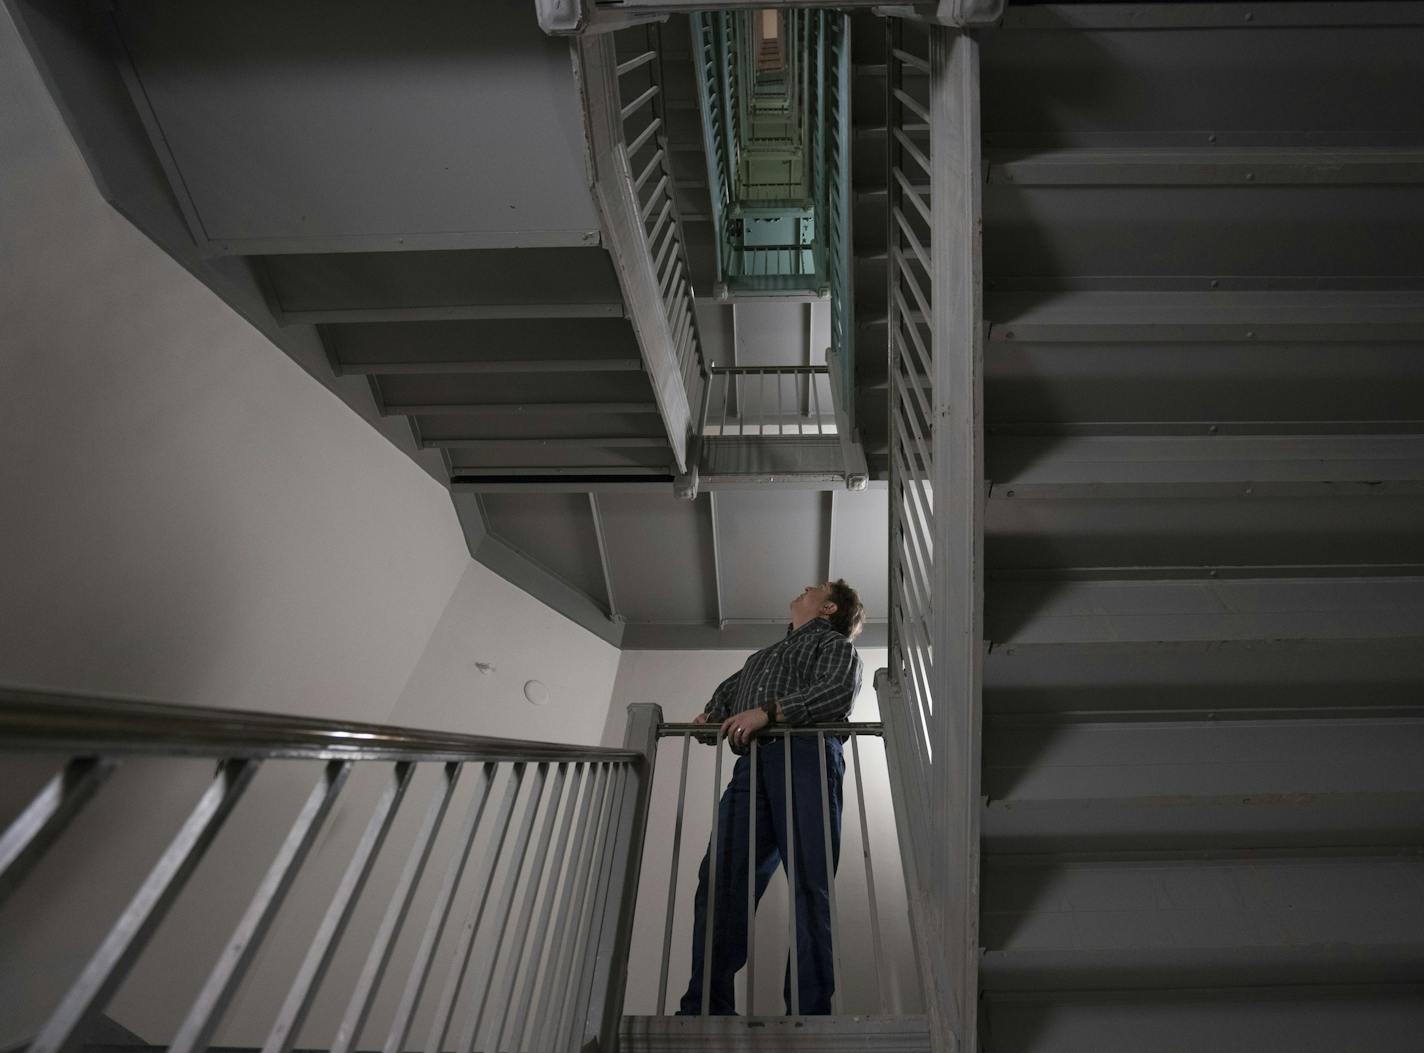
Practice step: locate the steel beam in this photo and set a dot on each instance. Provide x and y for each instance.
(602, 442)
(716, 560)
(603, 560)
(573, 603)
(738, 634)
(452, 312)
(515, 365)
(522, 409)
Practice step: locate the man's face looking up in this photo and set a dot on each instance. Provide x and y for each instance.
(814, 602)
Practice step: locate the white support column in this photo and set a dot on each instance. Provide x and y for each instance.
(958, 481)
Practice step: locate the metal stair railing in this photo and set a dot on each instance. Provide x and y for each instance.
(835, 46)
(552, 979)
(865, 927)
(931, 697)
(764, 141)
(718, 141)
(622, 87)
(769, 402)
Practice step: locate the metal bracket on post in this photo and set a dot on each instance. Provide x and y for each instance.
(857, 472)
(566, 18)
(959, 14)
(561, 17)
(610, 976)
(685, 486)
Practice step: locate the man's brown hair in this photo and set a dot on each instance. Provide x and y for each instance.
(849, 618)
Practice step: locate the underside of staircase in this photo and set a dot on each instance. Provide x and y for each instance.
(1204, 417)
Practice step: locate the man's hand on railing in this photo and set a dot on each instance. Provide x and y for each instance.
(740, 728)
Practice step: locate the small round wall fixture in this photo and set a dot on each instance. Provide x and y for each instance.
(535, 692)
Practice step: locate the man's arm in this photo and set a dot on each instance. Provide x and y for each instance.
(828, 697)
(831, 692)
(720, 704)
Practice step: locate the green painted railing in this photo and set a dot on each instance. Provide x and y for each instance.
(774, 155)
(836, 163)
(777, 140)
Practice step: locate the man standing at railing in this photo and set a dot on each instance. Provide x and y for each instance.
(809, 677)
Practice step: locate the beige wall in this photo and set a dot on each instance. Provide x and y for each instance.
(187, 516)
(681, 682)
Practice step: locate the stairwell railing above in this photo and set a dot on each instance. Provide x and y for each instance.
(571, 17)
(835, 43)
(769, 402)
(764, 140)
(633, 184)
(537, 966)
(777, 424)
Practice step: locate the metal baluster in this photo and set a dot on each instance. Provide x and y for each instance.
(349, 1030)
(727, 379)
(791, 882)
(212, 1001)
(439, 914)
(816, 401)
(576, 891)
(869, 875)
(761, 401)
(780, 415)
(672, 876)
(837, 998)
(573, 927)
(445, 1008)
(533, 881)
(323, 945)
(46, 817)
(546, 913)
(126, 940)
(751, 888)
(590, 909)
(471, 1031)
(573, 885)
(711, 882)
(595, 940)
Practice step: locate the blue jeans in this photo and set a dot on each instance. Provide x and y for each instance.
(813, 877)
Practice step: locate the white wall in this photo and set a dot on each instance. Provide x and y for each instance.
(681, 682)
(187, 516)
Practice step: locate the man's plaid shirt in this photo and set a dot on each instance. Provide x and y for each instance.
(814, 673)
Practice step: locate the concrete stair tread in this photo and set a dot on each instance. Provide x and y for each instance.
(672, 1034)
(1191, 465)
(1211, 967)
(1202, 826)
